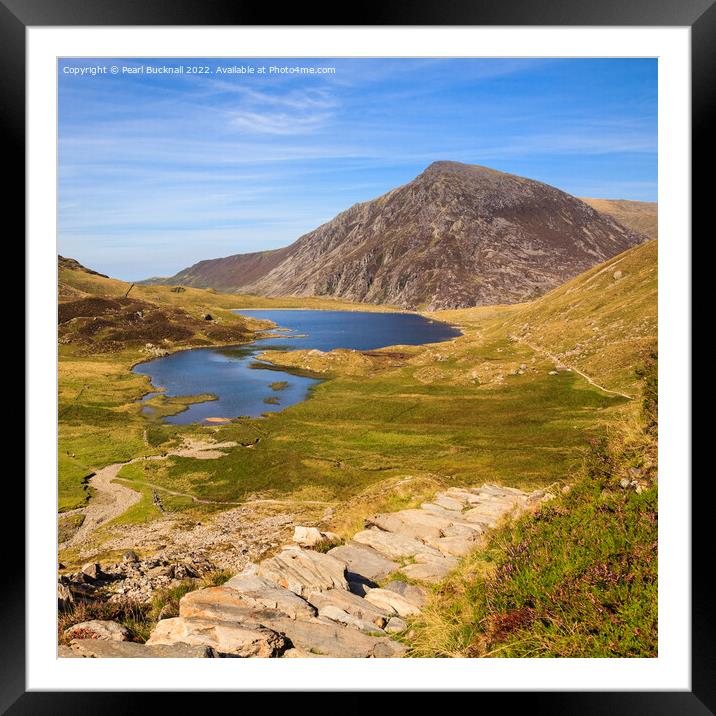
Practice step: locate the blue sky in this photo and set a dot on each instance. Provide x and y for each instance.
(158, 171)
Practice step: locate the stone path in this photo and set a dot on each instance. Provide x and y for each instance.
(342, 603)
(112, 499)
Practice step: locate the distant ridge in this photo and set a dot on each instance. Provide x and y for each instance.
(641, 216)
(458, 235)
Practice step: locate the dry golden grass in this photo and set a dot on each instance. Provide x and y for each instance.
(642, 216)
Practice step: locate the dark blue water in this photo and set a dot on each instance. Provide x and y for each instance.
(242, 383)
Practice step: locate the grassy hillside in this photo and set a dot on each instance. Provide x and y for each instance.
(580, 579)
(642, 216)
(604, 322)
(195, 300)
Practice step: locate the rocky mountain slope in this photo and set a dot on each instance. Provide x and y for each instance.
(458, 235)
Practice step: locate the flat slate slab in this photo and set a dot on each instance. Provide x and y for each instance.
(454, 546)
(102, 649)
(470, 530)
(448, 503)
(224, 604)
(393, 545)
(351, 604)
(414, 594)
(321, 639)
(462, 494)
(263, 592)
(487, 516)
(434, 508)
(335, 614)
(431, 572)
(393, 602)
(304, 571)
(362, 561)
(400, 524)
(227, 639)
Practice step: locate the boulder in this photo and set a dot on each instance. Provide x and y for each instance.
(92, 570)
(262, 592)
(351, 604)
(395, 625)
(304, 571)
(392, 602)
(335, 640)
(362, 561)
(98, 629)
(430, 572)
(308, 536)
(225, 605)
(93, 649)
(394, 545)
(227, 639)
(448, 503)
(414, 594)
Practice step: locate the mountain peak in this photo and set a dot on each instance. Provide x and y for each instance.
(457, 235)
(446, 166)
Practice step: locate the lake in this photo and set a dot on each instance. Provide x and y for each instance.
(245, 386)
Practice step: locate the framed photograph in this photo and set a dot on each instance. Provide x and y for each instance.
(364, 342)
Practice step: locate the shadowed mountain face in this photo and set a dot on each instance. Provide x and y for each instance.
(458, 235)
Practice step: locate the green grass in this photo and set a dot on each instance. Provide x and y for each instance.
(355, 432)
(577, 580)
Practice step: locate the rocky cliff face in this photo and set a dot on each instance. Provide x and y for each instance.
(458, 235)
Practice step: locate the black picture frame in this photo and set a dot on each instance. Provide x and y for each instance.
(699, 15)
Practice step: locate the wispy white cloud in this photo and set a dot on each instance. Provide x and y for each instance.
(282, 123)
